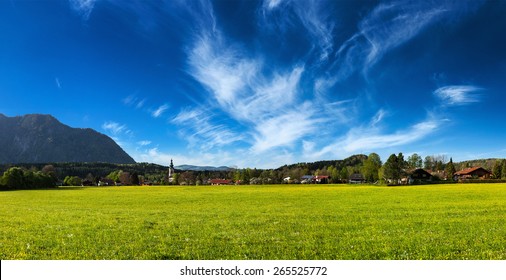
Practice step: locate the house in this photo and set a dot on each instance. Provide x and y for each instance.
(87, 183)
(419, 175)
(473, 173)
(321, 179)
(217, 182)
(306, 179)
(356, 178)
(106, 182)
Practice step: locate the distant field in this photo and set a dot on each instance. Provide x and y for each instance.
(460, 221)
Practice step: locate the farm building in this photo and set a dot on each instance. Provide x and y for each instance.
(356, 178)
(216, 182)
(321, 179)
(419, 175)
(106, 182)
(473, 173)
(306, 179)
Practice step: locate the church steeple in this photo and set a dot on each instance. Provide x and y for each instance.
(171, 170)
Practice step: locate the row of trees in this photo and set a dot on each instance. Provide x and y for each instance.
(19, 178)
(499, 169)
(371, 167)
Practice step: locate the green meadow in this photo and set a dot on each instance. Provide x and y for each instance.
(458, 221)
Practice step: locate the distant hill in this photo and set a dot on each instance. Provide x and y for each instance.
(202, 168)
(353, 160)
(42, 139)
(485, 163)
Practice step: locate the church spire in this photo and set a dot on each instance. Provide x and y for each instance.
(171, 170)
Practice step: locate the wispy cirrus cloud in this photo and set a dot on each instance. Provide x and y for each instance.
(314, 16)
(134, 101)
(57, 81)
(201, 131)
(115, 128)
(388, 26)
(83, 7)
(273, 106)
(144, 143)
(458, 94)
(262, 102)
(371, 138)
(159, 111)
(271, 4)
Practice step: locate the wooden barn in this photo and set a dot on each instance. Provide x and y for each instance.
(473, 173)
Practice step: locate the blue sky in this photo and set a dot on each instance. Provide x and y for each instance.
(263, 83)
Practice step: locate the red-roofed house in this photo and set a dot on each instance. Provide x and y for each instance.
(216, 182)
(473, 172)
(321, 179)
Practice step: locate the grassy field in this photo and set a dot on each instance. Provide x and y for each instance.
(460, 221)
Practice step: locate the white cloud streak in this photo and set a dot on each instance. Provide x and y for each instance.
(269, 104)
(458, 94)
(133, 100)
(314, 17)
(83, 7)
(370, 138)
(272, 108)
(159, 111)
(115, 128)
(58, 84)
(144, 143)
(271, 4)
(388, 26)
(200, 131)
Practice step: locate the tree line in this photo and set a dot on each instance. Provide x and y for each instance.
(370, 167)
(20, 178)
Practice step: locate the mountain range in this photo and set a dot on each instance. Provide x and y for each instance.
(202, 168)
(37, 138)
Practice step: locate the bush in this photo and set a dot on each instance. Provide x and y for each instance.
(16, 178)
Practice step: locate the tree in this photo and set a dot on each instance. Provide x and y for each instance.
(134, 179)
(72, 181)
(334, 174)
(390, 169)
(90, 179)
(497, 169)
(439, 165)
(115, 175)
(414, 161)
(175, 179)
(187, 178)
(371, 167)
(125, 178)
(402, 164)
(450, 169)
(13, 178)
(394, 167)
(343, 174)
(428, 163)
(503, 170)
(51, 171)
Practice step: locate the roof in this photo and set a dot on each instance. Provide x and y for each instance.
(220, 181)
(419, 170)
(307, 177)
(469, 171)
(321, 177)
(356, 176)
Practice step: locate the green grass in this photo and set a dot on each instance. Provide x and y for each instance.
(458, 221)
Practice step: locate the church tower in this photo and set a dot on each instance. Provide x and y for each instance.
(171, 171)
